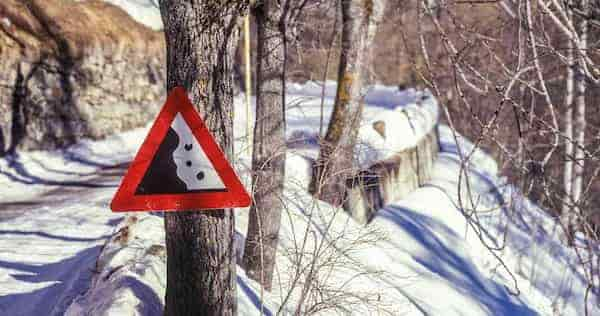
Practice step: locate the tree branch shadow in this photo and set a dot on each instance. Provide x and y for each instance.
(18, 172)
(442, 260)
(55, 298)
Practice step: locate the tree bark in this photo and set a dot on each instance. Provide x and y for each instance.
(335, 162)
(268, 157)
(580, 120)
(201, 37)
(567, 205)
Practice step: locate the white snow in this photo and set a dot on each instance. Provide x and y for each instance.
(47, 255)
(27, 175)
(418, 256)
(408, 116)
(145, 12)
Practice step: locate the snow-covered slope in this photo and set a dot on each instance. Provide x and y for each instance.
(143, 11)
(418, 256)
(54, 220)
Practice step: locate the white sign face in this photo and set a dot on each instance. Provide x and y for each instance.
(193, 167)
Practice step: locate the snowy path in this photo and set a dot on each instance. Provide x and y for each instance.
(49, 240)
(56, 193)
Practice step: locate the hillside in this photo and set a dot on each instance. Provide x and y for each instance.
(74, 69)
(419, 255)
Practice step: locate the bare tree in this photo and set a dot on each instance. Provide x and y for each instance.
(334, 165)
(511, 76)
(268, 156)
(201, 37)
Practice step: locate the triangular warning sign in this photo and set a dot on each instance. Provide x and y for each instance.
(179, 166)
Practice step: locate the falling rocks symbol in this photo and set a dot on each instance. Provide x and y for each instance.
(179, 166)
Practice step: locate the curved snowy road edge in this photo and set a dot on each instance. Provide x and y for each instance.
(129, 274)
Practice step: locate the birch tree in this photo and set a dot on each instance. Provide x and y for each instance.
(575, 121)
(568, 128)
(579, 117)
(268, 156)
(335, 163)
(201, 268)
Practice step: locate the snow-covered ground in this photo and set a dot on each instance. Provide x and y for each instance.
(54, 220)
(418, 256)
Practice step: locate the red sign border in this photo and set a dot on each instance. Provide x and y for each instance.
(126, 200)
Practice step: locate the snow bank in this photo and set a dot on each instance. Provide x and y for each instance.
(382, 96)
(533, 259)
(405, 126)
(416, 249)
(408, 116)
(130, 270)
(418, 256)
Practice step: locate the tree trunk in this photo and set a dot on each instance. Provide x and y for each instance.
(335, 162)
(268, 158)
(567, 205)
(580, 121)
(201, 277)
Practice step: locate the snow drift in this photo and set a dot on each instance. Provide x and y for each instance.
(446, 249)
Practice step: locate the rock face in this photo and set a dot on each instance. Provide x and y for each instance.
(74, 69)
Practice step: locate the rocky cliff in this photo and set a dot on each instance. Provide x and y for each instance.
(74, 69)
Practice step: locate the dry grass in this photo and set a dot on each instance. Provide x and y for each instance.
(83, 26)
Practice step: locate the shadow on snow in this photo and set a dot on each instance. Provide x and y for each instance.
(18, 172)
(442, 260)
(54, 298)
